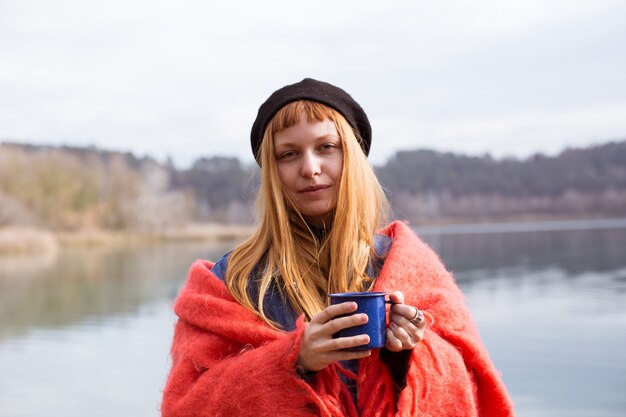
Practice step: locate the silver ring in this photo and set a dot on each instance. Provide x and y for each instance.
(418, 317)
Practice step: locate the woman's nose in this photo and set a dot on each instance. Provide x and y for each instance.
(311, 165)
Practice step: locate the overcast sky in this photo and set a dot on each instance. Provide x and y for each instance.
(185, 78)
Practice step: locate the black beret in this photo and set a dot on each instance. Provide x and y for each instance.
(313, 90)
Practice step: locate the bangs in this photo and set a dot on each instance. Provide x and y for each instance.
(290, 114)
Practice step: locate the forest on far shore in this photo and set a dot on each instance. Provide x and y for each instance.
(74, 188)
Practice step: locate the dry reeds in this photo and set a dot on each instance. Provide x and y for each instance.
(17, 240)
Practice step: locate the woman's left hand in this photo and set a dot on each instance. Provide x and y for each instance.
(405, 330)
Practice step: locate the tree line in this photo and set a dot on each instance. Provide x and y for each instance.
(69, 188)
(584, 170)
(427, 186)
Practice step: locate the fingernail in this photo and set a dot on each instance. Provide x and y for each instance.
(364, 318)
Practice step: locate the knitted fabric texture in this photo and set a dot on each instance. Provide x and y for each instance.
(228, 362)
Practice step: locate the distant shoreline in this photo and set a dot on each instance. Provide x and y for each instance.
(16, 241)
(522, 226)
(22, 240)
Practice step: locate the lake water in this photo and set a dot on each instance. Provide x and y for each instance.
(87, 333)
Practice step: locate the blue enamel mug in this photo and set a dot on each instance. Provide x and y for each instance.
(372, 304)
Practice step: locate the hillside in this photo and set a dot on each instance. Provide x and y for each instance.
(72, 188)
(427, 186)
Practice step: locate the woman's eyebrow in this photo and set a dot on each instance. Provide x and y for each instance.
(317, 139)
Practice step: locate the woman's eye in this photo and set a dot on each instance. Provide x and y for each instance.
(287, 155)
(328, 146)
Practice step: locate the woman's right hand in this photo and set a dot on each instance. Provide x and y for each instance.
(318, 349)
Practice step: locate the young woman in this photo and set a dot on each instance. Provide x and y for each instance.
(255, 330)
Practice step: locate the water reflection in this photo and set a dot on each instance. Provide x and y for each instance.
(550, 306)
(573, 251)
(92, 284)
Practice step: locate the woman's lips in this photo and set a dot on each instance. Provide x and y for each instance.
(314, 189)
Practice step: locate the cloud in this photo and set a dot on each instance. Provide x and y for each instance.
(185, 78)
(516, 134)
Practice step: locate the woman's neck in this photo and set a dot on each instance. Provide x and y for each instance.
(319, 231)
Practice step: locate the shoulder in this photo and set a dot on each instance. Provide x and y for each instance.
(401, 233)
(382, 244)
(409, 252)
(219, 269)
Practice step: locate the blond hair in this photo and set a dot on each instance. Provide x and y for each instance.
(305, 267)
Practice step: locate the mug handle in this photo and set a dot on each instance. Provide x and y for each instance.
(389, 301)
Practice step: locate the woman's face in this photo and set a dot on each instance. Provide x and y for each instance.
(309, 160)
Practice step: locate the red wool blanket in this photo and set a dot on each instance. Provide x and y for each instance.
(228, 362)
